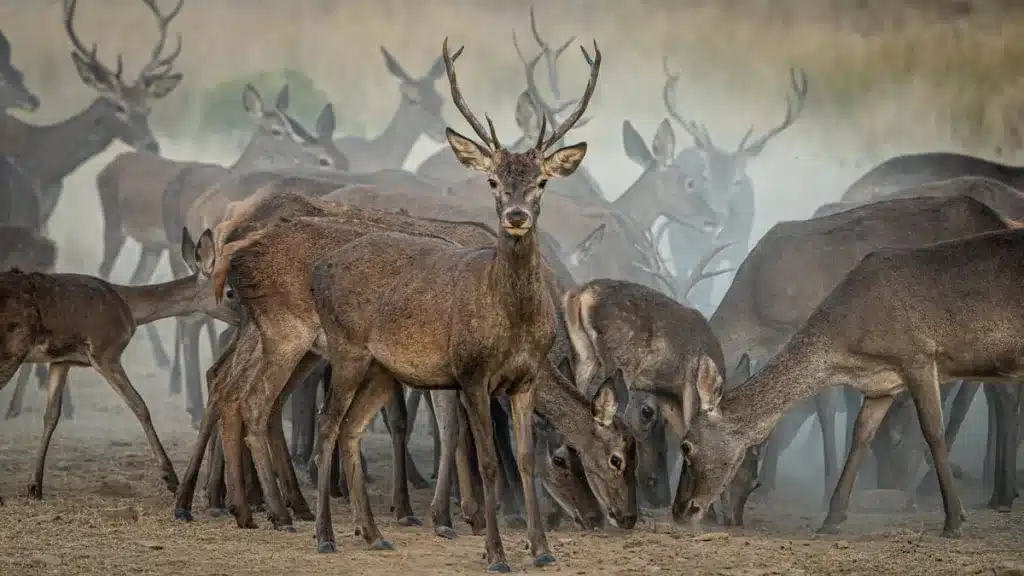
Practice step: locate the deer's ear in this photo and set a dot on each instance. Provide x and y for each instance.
(664, 146)
(604, 406)
(564, 161)
(636, 148)
(469, 153)
(188, 250)
(283, 99)
(205, 255)
(157, 88)
(93, 75)
(709, 384)
(325, 122)
(252, 102)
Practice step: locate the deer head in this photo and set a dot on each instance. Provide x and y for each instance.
(714, 450)
(663, 182)
(724, 172)
(282, 139)
(421, 104)
(126, 105)
(564, 478)
(643, 415)
(13, 92)
(517, 179)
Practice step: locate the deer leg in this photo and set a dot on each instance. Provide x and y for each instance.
(285, 470)
(303, 408)
(194, 406)
(467, 466)
(216, 487)
(522, 404)
(17, 397)
(58, 380)
(825, 403)
(872, 411)
(923, 385)
(437, 437)
(113, 372)
(957, 414)
(231, 434)
(477, 400)
(508, 475)
(397, 422)
(1005, 489)
(216, 376)
(349, 367)
(113, 240)
(445, 405)
(779, 439)
(412, 405)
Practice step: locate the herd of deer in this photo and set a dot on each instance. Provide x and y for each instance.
(333, 266)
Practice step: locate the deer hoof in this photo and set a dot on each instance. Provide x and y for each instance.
(954, 533)
(446, 532)
(499, 568)
(218, 512)
(304, 515)
(35, 491)
(410, 521)
(170, 480)
(327, 548)
(381, 544)
(545, 559)
(183, 514)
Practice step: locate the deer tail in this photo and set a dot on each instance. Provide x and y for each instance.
(222, 263)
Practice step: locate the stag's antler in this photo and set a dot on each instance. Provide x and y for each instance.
(550, 56)
(698, 131)
(798, 81)
(698, 274)
(161, 66)
(491, 140)
(661, 272)
(87, 54)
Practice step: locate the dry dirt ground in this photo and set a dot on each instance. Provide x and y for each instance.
(100, 465)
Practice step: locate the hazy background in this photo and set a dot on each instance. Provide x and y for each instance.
(885, 76)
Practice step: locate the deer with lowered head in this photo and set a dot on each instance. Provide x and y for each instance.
(901, 320)
(490, 335)
(68, 320)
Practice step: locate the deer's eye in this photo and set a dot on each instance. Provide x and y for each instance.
(559, 461)
(647, 412)
(121, 108)
(615, 462)
(542, 184)
(492, 183)
(324, 161)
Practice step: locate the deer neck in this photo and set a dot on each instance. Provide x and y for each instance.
(801, 369)
(563, 405)
(639, 204)
(392, 146)
(152, 302)
(53, 151)
(260, 154)
(516, 277)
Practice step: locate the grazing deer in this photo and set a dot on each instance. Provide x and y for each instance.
(796, 264)
(419, 112)
(491, 335)
(13, 92)
(902, 319)
(913, 170)
(722, 179)
(120, 112)
(68, 320)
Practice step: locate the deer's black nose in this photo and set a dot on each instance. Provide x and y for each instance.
(517, 217)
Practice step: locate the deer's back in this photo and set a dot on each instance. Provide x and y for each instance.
(26, 249)
(958, 302)
(797, 263)
(916, 169)
(136, 181)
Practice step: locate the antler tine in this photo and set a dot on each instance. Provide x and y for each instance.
(550, 56)
(698, 274)
(660, 270)
(588, 92)
(158, 66)
(459, 101)
(798, 81)
(79, 46)
(697, 130)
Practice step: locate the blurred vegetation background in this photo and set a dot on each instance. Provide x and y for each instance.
(910, 74)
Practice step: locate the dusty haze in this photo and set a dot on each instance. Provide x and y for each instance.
(885, 77)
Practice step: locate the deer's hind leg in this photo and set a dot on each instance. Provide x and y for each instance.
(475, 395)
(397, 420)
(149, 259)
(445, 406)
(18, 396)
(279, 448)
(872, 411)
(54, 396)
(522, 404)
